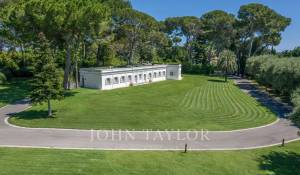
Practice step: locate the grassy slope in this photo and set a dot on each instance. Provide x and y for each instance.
(12, 91)
(196, 102)
(276, 160)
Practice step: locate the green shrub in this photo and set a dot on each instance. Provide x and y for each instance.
(197, 69)
(282, 74)
(296, 103)
(2, 78)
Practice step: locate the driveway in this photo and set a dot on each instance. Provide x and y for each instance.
(265, 136)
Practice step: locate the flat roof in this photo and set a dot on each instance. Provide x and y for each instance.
(116, 69)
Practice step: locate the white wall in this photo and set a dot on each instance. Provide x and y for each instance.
(174, 72)
(140, 74)
(98, 79)
(91, 79)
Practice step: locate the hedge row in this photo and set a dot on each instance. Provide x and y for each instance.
(296, 103)
(197, 69)
(281, 74)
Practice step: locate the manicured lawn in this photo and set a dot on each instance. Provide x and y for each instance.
(269, 161)
(12, 91)
(196, 102)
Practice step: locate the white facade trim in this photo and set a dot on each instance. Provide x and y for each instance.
(112, 78)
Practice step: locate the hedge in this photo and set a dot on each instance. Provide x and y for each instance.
(281, 74)
(197, 69)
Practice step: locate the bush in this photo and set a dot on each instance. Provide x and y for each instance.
(197, 69)
(281, 74)
(2, 78)
(296, 103)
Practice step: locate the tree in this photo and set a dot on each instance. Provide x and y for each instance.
(227, 62)
(219, 30)
(67, 24)
(187, 27)
(47, 81)
(257, 23)
(133, 28)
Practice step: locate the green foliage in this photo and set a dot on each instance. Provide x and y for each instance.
(201, 69)
(296, 102)
(290, 53)
(2, 78)
(47, 81)
(17, 63)
(219, 28)
(258, 28)
(282, 74)
(227, 62)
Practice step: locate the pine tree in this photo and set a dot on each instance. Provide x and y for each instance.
(47, 83)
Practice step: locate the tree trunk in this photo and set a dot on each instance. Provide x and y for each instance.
(226, 72)
(76, 73)
(67, 67)
(49, 108)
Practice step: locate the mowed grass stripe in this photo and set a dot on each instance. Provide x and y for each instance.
(196, 102)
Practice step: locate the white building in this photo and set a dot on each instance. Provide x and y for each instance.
(112, 78)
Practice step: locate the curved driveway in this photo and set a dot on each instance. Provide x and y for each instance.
(270, 135)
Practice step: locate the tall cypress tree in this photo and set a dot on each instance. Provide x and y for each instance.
(47, 83)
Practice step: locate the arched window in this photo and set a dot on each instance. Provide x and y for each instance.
(136, 78)
(164, 73)
(159, 74)
(122, 80)
(116, 80)
(155, 74)
(107, 81)
(145, 77)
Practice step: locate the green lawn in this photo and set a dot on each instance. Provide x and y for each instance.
(196, 102)
(269, 161)
(17, 89)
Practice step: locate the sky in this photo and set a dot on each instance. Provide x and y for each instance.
(161, 9)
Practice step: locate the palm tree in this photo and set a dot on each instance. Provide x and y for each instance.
(227, 62)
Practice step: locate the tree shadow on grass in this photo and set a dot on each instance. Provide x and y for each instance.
(33, 114)
(216, 81)
(275, 106)
(281, 163)
(15, 90)
(70, 93)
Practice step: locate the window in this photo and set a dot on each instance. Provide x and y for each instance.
(171, 73)
(136, 78)
(140, 76)
(116, 80)
(155, 74)
(145, 77)
(107, 81)
(129, 78)
(164, 73)
(122, 79)
(159, 74)
(150, 75)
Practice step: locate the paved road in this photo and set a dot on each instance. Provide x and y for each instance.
(12, 136)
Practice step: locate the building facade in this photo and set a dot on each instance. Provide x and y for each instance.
(112, 78)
